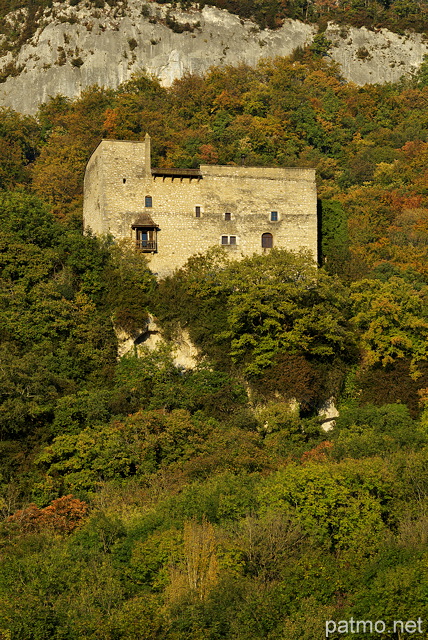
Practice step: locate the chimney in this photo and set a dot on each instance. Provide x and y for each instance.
(147, 156)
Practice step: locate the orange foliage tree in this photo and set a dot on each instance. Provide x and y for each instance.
(63, 515)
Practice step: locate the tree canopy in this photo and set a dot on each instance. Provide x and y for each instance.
(143, 500)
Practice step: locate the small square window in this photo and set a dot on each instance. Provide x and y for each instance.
(148, 201)
(198, 212)
(227, 216)
(274, 216)
(232, 240)
(224, 240)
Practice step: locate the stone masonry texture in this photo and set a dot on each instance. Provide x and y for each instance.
(234, 204)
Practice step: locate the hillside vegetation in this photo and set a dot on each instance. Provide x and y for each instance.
(396, 15)
(140, 501)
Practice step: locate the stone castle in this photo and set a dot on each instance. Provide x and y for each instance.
(172, 214)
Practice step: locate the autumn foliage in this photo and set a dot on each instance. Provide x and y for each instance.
(144, 501)
(63, 515)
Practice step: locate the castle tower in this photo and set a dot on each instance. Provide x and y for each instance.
(114, 177)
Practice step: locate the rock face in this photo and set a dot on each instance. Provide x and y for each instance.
(77, 46)
(328, 414)
(367, 57)
(185, 355)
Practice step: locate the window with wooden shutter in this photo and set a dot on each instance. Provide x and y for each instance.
(267, 241)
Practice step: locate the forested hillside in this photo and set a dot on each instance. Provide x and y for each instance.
(141, 501)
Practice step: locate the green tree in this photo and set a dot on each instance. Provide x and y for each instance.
(391, 318)
(279, 303)
(341, 506)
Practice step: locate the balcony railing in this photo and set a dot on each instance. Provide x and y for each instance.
(147, 245)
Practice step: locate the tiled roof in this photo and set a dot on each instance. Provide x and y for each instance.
(144, 220)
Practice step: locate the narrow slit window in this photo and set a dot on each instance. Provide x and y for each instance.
(227, 216)
(123, 180)
(148, 201)
(274, 216)
(198, 212)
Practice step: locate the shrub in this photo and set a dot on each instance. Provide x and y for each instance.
(62, 515)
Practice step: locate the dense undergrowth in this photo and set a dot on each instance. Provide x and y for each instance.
(141, 501)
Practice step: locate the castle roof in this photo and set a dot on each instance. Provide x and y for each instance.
(144, 220)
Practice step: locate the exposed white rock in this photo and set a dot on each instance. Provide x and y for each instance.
(125, 343)
(150, 338)
(328, 414)
(185, 355)
(369, 57)
(112, 46)
(76, 47)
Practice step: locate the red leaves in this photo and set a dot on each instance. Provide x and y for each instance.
(110, 122)
(63, 515)
(208, 154)
(320, 453)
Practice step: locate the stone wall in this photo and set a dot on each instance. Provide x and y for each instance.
(118, 179)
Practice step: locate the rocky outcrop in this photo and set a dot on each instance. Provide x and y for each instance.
(185, 355)
(78, 46)
(328, 414)
(368, 57)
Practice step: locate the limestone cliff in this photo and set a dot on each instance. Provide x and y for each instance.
(184, 354)
(77, 46)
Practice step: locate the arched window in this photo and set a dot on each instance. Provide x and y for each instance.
(148, 201)
(267, 241)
